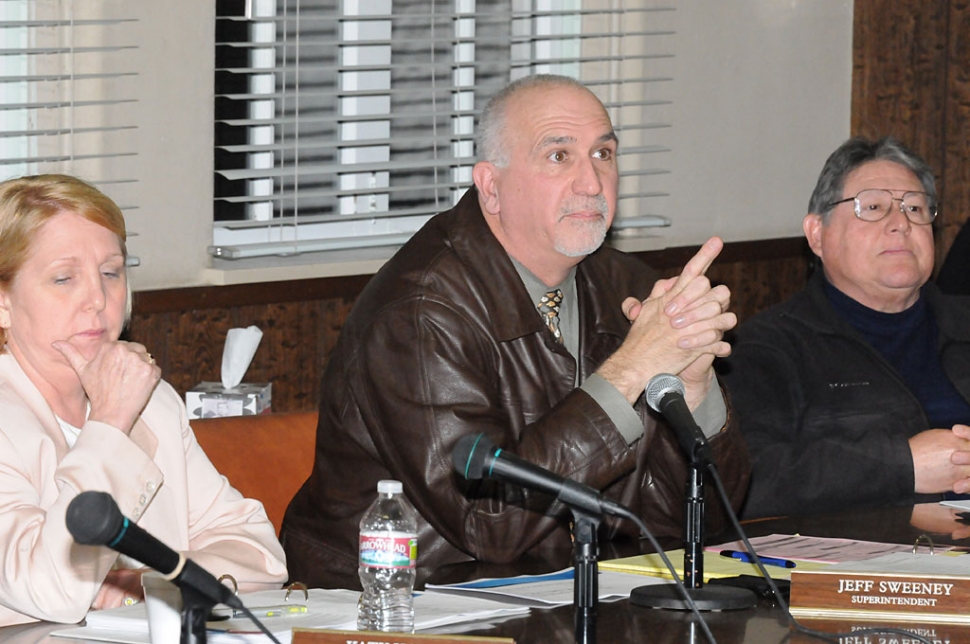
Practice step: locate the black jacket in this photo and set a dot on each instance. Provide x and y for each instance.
(827, 420)
(445, 342)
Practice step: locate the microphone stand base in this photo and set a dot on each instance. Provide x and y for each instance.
(705, 598)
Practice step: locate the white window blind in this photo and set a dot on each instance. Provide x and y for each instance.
(67, 92)
(348, 123)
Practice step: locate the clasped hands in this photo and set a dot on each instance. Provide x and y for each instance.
(118, 380)
(678, 329)
(941, 460)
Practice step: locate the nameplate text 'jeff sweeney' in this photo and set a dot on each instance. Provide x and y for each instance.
(902, 590)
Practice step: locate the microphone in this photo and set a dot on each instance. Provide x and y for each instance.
(94, 519)
(475, 457)
(665, 394)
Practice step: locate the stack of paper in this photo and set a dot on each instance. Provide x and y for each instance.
(330, 609)
(807, 554)
(545, 591)
(715, 566)
(817, 549)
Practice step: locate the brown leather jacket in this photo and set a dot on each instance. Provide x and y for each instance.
(445, 342)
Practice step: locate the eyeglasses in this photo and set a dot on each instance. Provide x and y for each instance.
(874, 204)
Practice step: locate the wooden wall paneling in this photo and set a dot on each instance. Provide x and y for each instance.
(759, 274)
(955, 208)
(898, 79)
(909, 80)
(756, 286)
(298, 338)
(297, 325)
(299, 335)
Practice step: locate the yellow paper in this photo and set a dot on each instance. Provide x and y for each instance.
(715, 566)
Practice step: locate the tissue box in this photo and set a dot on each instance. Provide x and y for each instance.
(211, 399)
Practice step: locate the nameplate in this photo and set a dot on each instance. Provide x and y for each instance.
(844, 630)
(906, 593)
(321, 636)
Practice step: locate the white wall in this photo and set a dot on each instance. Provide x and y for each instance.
(761, 97)
(172, 224)
(750, 138)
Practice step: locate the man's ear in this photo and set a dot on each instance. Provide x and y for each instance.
(484, 174)
(812, 226)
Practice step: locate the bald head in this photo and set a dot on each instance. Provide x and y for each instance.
(548, 187)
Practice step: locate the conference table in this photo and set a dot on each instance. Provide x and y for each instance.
(620, 621)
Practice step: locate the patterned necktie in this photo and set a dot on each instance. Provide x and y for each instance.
(549, 310)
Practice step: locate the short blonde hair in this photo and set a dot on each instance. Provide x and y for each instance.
(27, 203)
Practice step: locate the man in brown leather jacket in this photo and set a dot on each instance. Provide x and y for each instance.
(446, 341)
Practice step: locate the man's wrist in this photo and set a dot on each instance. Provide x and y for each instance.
(617, 376)
(626, 420)
(711, 414)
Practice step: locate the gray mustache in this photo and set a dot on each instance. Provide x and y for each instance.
(597, 204)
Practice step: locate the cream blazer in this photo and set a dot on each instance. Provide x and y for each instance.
(160, 478)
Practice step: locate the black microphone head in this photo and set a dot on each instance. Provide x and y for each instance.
(470, 453)
(661, 385)
(93, 518)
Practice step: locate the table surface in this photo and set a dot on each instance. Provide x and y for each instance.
(621, 621)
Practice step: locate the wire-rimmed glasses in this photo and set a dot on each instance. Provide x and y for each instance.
(873, 204)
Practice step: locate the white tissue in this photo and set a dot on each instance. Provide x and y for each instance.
(240, 348)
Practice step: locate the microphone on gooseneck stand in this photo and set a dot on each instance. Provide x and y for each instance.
(94, 519)
(476, 457)
(665, 394)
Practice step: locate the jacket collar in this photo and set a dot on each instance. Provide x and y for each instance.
(951, 320)
(501, 289)
(13, 374)
(811, 307)
(23, 388)
(502, 292)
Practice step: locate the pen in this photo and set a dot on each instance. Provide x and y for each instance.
(747, 558)
(217, 614)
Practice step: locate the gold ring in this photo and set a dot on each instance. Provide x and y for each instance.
(130, 601)
(151, 360)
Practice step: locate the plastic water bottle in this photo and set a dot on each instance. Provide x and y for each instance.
(388, 551)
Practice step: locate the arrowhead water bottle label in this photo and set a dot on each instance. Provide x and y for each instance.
(388, 549)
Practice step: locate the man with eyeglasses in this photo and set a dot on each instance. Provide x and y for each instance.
(855, 391)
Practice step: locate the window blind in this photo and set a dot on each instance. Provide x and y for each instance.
(67, 91)
(348, 123)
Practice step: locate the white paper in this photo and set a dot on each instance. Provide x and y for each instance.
(907, 563)
(818, 549)
(241, 345)
(959, 504)
(331, 609)
(544, 591)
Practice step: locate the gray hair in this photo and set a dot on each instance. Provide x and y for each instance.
(491, 125)
(856, 152)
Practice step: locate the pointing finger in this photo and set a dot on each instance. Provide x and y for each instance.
(696, 267)
(699, 263)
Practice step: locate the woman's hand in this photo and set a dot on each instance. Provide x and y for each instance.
(120, 585)
(118, 381)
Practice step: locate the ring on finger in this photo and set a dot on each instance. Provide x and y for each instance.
(151, 360)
